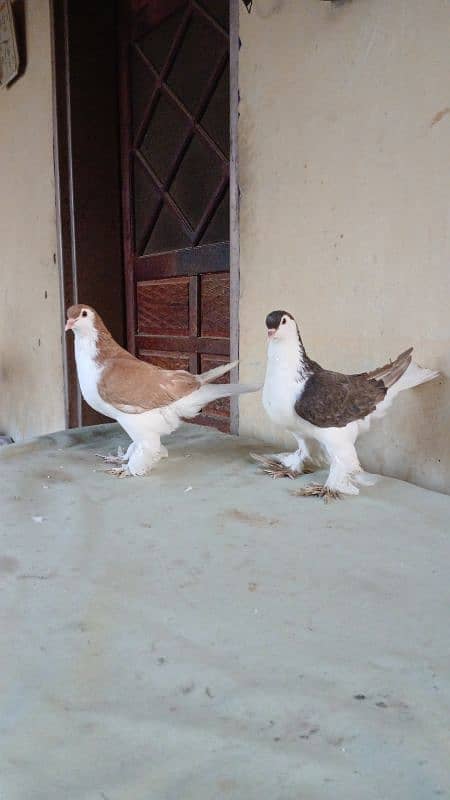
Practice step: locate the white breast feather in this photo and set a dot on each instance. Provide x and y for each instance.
(283, 384)
(89, 374)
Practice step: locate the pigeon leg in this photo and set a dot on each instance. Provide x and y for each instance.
(120, 458)
(344, 476)
(344, 467)
(145, 455)
(163, 452)
(285, 465)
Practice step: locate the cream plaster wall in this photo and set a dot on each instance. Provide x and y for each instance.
(31, 371)
(344, 142)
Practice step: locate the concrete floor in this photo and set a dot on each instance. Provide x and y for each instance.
(203, 634)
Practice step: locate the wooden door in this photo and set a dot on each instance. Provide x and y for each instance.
(175, 170)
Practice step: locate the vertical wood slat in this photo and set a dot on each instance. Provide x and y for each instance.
(87, 173)
(124, 35)
(193, 306)
(234, 206)
(194, 365)
(64, 196)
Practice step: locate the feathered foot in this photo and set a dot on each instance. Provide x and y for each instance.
(271, 466)
(120, 458)
(318, 490)
(142, 458)
(119, 472)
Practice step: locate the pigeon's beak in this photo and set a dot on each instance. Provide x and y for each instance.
(69, 324)
(271, 332)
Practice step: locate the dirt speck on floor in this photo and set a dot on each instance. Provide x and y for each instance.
(8, 565)
(187, 688)
(253, 518)
(227, 785)
(53, 477)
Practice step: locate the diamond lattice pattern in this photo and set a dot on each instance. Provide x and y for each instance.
(180, 76)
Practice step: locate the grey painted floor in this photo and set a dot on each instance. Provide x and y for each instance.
(203, 634)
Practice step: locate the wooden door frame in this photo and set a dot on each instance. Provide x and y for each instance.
(87, 272)
(234, 207)
(87, 174)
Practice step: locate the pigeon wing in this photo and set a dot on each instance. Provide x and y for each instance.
(133, 386)
(332, 400)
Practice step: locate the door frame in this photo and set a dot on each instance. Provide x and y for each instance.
(87, 175)
(90, 250)
(234, 207)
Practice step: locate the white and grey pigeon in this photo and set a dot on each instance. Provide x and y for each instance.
(144, 399)
(326, 408)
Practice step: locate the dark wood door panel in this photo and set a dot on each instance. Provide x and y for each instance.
(175, 160)
(215, 305)
(163, 307)
(166, 360)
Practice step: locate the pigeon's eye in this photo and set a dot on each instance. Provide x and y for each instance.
(84, 313)
(283, 321)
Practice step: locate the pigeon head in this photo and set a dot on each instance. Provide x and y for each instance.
(81, 319)
(281, 326)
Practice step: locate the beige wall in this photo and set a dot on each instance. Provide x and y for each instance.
(345, 208)
(31, 373)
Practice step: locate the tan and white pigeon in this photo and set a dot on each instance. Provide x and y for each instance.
(325, 408)
(144, 399)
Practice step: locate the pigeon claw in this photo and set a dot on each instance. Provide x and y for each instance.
(119, 472)
(270, 466)
(110, 459)
(318, 490)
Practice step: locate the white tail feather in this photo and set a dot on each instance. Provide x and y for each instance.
(217, 372)
(190, 405)
(413, 376)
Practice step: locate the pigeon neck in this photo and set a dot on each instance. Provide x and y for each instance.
(105, 344)
(86, 344)
(303, 360)
(290, 356)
